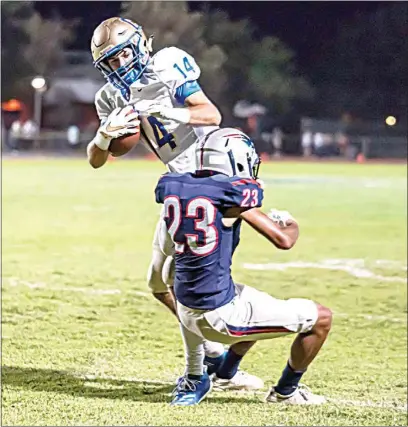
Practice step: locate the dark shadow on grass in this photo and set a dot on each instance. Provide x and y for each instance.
(66, 382)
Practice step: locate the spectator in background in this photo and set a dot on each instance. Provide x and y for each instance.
(73, 136)
(267, 142)
(326, 145)
(3, 135)
(277, 139)
(318, 143)
(22, 134)
(342, 143)
(11, 111)
(307, 143)
(251, 113)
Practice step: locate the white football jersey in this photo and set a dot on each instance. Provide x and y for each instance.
(167, 70)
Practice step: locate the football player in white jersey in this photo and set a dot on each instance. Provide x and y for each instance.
(159, 96)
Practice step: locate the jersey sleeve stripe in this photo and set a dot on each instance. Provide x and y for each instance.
(245, 181)
(185, 90)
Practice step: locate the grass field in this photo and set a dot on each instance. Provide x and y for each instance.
(83, 342)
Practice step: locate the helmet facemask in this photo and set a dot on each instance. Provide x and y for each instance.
(124, 76)
(250, 168)
(255, 167)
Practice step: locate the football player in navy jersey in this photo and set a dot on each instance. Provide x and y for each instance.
(176, 116)
(203, 215)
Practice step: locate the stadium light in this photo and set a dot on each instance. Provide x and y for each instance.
(391, 121)
(38, 83)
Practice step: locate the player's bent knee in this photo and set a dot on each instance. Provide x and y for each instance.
(305, 312)
(324, 319)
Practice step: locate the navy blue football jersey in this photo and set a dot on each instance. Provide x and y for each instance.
(194, 208)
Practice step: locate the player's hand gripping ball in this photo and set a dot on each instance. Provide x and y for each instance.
(124, 143)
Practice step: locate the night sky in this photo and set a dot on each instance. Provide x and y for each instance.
(306, 27)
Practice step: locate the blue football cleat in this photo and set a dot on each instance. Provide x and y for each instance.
(191, 390)
(214, 363)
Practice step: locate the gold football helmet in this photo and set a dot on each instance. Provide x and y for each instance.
(112, 36)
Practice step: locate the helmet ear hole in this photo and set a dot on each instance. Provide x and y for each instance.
(240, 167)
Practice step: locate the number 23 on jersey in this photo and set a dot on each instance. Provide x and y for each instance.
(204, 214)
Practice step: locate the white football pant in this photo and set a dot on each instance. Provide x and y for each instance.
(251, 316)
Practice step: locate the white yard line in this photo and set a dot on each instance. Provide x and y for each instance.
(39, 285)
(140, 293)
(355, 267)
(373, 317)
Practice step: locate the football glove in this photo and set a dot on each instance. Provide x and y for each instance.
(280, 217)
(261, 183)
(121, 121)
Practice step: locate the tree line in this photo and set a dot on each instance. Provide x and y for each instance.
(364, 71)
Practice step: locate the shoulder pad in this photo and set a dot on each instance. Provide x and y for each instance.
(167, 176)
(164, 185)
(243, 192)
(175, 66)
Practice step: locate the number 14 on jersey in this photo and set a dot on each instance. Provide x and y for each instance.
(187, 67)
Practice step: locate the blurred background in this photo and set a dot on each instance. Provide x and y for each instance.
(311, 79)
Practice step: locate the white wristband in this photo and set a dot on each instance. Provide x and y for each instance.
(101, 141)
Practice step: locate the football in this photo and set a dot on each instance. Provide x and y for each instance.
(123, 144)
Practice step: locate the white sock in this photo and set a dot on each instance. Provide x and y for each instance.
(194, 352)
(213, 349)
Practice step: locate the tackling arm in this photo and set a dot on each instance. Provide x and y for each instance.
(282, 237)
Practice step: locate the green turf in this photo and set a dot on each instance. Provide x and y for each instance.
(74, 355)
